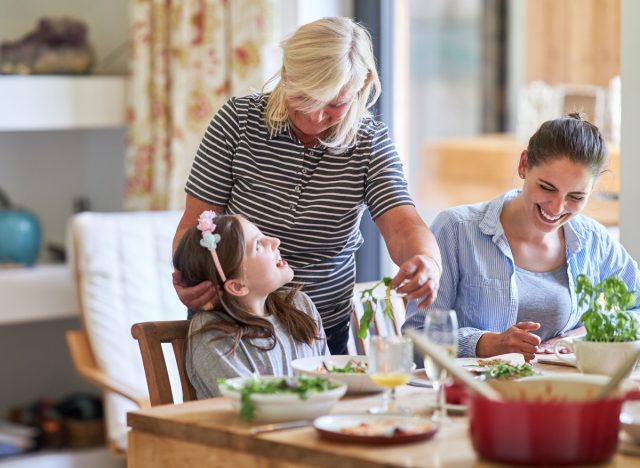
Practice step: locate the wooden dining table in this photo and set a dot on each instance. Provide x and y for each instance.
(209, 433)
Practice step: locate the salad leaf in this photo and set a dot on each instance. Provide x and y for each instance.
(352, 367)
(369, 303)
(504, 370)
(302, 385)
(365, 320)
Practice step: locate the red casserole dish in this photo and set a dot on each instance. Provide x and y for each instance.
(550, 430)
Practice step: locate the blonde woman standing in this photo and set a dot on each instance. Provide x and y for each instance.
(302, 162)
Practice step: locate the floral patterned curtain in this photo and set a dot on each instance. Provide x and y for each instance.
(187, 58)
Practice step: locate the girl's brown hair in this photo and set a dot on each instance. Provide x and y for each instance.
(196, 265)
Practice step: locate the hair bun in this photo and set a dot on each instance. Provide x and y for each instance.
(578, 116)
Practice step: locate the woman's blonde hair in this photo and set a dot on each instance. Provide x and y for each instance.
(318, 61)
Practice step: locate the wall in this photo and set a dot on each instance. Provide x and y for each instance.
(573, 41)
(35, 364)
(297, 12)
(106, 20)
(516, 56)
(630, 138)
(44, 171)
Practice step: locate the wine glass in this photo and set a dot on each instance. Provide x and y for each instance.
(441, 328)
(390, 362)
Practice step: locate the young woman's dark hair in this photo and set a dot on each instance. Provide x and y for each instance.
(196, 265)
(568, 136)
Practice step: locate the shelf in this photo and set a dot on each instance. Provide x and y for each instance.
(61, 102)
(44, 292)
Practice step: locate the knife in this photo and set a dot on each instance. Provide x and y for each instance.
(279, 426)
(420, 383)
(554, 362)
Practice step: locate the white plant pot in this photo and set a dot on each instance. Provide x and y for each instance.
(596, 357)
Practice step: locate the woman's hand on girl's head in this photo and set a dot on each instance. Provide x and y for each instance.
(194, 297)
(516, 339)
(418, 278)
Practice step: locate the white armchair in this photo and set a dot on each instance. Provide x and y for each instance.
(122, 264)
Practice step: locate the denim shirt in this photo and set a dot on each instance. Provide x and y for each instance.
(478, 279)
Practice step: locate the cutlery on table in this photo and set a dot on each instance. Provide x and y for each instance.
(554, 362)
(420, 383)
(279, 426)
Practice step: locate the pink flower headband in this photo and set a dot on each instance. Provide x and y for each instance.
(209, 239)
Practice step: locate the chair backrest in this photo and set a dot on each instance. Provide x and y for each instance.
(151, 336)
(380, 325)
(122, 263)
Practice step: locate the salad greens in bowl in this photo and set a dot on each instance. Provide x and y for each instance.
(276, 399)
(352, 370)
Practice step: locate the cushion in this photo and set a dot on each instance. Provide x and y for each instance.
(124, 265)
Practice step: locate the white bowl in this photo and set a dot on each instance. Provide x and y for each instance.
(284, 407)
(630, 420)
(356, 383)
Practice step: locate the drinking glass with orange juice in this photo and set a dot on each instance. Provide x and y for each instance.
(390, 362)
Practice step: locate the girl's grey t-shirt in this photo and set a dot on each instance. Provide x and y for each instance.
(207, 361)
(544, 298)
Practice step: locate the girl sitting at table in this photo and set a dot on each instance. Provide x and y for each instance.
(509, 265)
(259, 327)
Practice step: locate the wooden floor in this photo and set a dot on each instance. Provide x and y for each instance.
(94, 458)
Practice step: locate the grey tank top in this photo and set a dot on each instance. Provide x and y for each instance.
(544, 298)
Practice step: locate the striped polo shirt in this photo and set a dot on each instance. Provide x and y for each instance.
(311, 199)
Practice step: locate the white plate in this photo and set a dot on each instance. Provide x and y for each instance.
(473, 364)
(331, 427)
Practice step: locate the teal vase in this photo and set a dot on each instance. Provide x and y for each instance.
(20, 234)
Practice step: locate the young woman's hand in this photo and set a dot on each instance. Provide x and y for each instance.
(418, 278)
(516, 339)
(198, 297)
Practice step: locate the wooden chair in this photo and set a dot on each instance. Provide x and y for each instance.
(86, 365)
(380, 325)
(151, 336)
